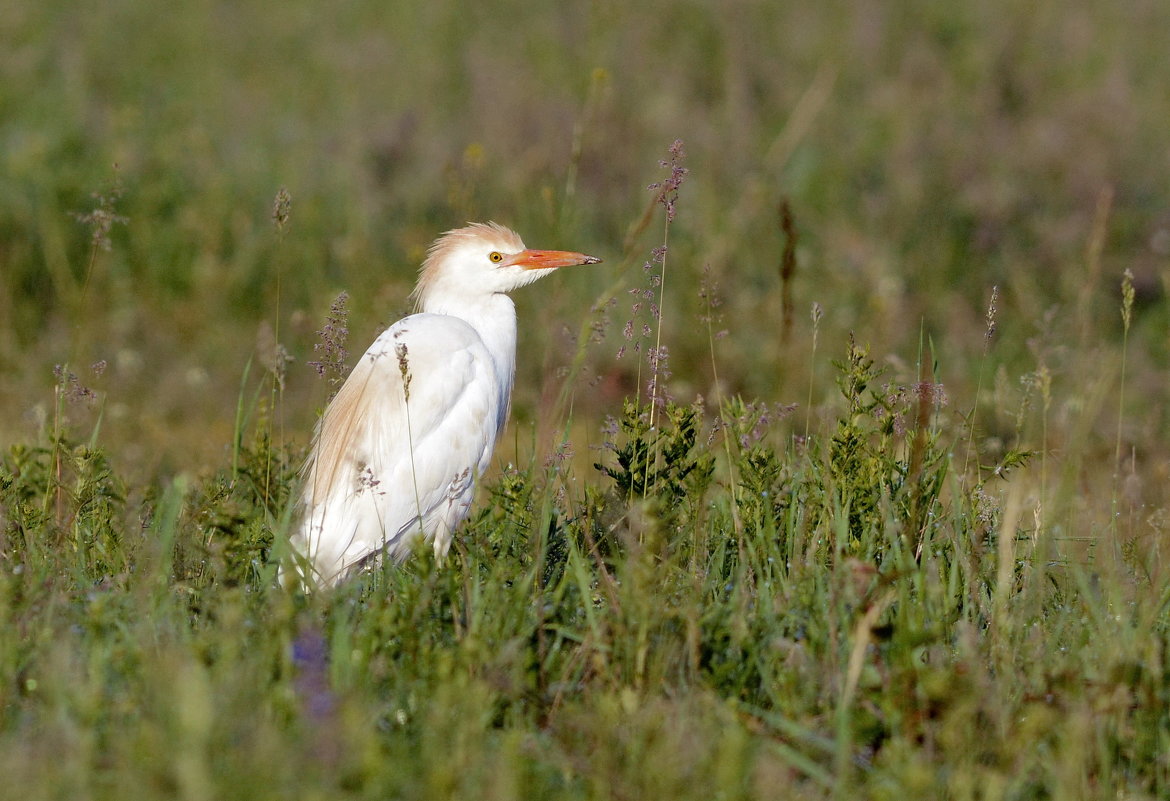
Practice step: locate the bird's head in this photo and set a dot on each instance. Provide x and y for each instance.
(484, 259)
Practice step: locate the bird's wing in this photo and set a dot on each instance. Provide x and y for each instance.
(372, 481)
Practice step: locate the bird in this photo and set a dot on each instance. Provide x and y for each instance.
(398, 450)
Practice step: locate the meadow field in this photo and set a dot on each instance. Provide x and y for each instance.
(844, 476)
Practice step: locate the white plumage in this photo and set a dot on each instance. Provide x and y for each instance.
(399, 448)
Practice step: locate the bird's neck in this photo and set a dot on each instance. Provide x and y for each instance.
(494, 319)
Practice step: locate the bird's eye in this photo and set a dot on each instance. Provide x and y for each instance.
(496, 256)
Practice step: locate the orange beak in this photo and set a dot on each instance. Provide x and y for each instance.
(547, 259)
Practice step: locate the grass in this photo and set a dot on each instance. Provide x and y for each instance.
(910, 545)
(870, 626)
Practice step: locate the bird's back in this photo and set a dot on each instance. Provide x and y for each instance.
(398, 449)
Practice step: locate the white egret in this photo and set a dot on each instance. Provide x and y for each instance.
(398, 450)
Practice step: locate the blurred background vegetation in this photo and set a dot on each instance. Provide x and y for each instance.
(929, 151)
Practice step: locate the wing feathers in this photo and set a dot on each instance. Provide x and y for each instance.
(370, 479)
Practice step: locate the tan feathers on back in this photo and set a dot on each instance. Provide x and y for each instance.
(344, 417)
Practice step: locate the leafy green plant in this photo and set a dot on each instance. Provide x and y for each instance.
(660, 462)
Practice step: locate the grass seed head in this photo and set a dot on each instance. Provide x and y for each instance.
(101, 220)
(281, 209)
(331, 346)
